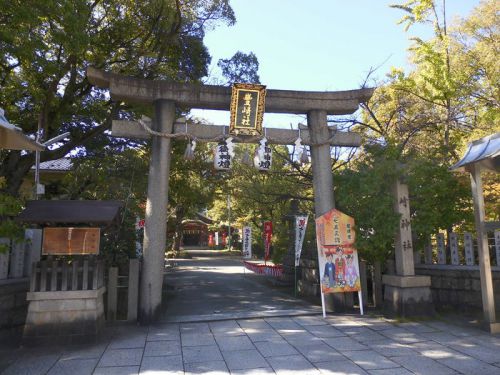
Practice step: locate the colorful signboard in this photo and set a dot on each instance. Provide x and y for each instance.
(300, 231)
(247, 243)
(70, 241)
(247, 108)
(338, 259)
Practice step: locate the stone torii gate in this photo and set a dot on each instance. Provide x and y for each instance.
(165, 96)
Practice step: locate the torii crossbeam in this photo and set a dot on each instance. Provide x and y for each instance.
(165, 96)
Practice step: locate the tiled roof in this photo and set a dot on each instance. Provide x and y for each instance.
(63, 164)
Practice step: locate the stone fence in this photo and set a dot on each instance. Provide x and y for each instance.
(458, 287)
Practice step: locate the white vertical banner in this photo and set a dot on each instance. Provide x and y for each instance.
(497, 246)
(300, 231)
(469, 249)
(216, 237)
(247, 243)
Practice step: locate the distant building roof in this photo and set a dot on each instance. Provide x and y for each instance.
(63, 164)
(484, 152)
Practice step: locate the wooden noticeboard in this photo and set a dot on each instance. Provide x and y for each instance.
(71, 241)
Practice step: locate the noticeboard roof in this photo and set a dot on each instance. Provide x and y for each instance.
(70, 212)
(12, 137)
(484, 152)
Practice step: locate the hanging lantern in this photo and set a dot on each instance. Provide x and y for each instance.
(264, 157)
(222, 156)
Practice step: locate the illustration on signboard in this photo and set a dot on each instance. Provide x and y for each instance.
(338, 258)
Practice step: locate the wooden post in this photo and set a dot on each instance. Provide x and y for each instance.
(85, 275)
(497, 247)
(43, 276)
(53, 277)
(482, 246)
(74, 275)
(133, 289)
(364, 284)
(112, 293)
(377, 284)
(64, 276)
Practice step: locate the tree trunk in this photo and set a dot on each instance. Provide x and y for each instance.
(179, 217)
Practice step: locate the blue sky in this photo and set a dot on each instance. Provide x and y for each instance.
(316, 45)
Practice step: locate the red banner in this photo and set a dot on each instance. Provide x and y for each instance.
(268, 234)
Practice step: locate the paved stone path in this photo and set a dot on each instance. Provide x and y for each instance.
(236, 325)
(218, 287)
(278, 345)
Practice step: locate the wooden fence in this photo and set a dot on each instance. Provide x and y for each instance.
(116, 283)
(67, 274)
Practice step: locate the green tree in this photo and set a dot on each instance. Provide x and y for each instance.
(240, 68)
(47, 45)
(113, 176)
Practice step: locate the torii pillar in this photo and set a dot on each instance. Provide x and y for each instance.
(165, 96)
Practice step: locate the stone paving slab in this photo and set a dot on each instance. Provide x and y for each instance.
(369, 359)
(121, 357)
(208, 367)
(244, 359)
(122, 370)
(423, 365)
(320, 353)
(196, 354)
(162, 348)
(162, 365)
(229, 343)
(273, 349)
(74, 367)
(292, 364)
(340, 344)
(340, 367)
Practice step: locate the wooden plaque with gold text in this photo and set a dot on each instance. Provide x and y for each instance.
(247, 108)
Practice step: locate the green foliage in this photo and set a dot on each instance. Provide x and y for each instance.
(263, 196)
(113, 176)
(439, 199)
(241, 68)
(365, 193)
(47, 46)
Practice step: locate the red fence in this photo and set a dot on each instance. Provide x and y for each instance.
(262, 269)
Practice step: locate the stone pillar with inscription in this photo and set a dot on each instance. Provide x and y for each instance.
(405, 293)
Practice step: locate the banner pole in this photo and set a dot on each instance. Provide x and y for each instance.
(360, 297)
(323, 303)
